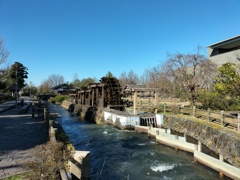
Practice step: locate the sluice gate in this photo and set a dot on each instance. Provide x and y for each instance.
(148, 121)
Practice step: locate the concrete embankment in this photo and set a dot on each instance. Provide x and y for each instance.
(218, 139)
(165, 137)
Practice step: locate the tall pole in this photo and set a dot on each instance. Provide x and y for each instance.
(16, 86)
(30, 89)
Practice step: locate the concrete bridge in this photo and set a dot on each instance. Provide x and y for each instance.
(45, 96)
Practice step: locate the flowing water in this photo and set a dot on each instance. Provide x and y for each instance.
(117, 154)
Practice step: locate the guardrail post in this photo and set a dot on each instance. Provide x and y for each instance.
(149, 131)
(169, 130)
(33, 110)
(176, 137)
(194, 111)
(199, 146)
(53, 132)
(222, 117)
(195, 149)
(221, 159)
(45, 115)
(208, 114)
(238, 122)
(166, 131)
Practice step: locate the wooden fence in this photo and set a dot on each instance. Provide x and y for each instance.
(229, 120)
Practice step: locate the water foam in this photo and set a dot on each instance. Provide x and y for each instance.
(162, 167)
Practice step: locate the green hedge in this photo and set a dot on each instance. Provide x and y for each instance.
(59, 99)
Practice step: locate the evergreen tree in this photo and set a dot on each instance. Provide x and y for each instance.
(17, 72)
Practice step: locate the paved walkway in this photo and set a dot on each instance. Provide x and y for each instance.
(18, 134)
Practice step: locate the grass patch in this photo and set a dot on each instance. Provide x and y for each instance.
(17, 177)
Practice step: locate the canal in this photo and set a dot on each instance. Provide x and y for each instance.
(119, 155)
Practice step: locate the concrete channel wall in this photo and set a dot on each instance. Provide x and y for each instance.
(218, 139)
(164, 136)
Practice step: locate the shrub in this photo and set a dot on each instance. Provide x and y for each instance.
(216, 101)
(46, 162)
(59, 98)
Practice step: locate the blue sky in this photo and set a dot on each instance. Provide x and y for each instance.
(91, 37)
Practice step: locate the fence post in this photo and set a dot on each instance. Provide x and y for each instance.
(164, 107)
(45, 115)
(222, 117)
(208, 114)
(238, 122)
(194, 111)
(33, 110)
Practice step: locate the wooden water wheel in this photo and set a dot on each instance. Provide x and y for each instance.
(113, 92)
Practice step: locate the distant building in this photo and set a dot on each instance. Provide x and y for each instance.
(63, 89)
(225, 51)
(129, 88)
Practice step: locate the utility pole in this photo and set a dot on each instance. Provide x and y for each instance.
(30, 89)
(16, 87)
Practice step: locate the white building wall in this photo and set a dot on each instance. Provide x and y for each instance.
(225, 57)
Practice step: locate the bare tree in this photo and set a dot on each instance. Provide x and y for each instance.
(3, 52)
(55, 80)
(129, 78)
(190, 72)
(3, 71)
(45, 87)
(157, 78)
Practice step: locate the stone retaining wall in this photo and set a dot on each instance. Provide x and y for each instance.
(218, 139)
(89, 113)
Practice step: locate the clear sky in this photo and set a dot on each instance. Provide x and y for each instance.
(91, 37)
